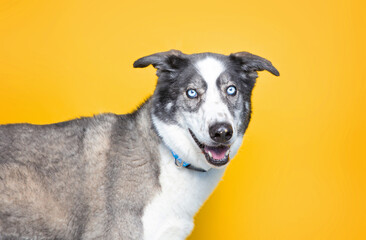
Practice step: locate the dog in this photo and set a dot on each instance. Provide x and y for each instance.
(141, 175)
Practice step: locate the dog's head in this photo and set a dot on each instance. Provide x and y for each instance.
(202, 102)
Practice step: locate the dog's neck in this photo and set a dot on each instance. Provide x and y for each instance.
(183, 191)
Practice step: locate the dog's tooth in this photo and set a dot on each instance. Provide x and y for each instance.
(210, 154)
(227, 153)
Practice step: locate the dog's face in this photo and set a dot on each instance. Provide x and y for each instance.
(202, 102)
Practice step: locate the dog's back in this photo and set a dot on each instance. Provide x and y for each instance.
(41, 169)
(58, 181)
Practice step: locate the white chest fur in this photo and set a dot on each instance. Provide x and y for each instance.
(170, 213)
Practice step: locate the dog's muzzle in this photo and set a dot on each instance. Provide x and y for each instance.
(216, 155)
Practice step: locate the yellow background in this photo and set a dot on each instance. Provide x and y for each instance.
(301, 171)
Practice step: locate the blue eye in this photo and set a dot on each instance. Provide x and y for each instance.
(231, 90)
(191, 93)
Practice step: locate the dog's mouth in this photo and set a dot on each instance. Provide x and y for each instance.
(216, 155)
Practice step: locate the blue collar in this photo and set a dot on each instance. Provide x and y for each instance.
(180, 163)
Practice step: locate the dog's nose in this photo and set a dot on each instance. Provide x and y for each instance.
(221, 132)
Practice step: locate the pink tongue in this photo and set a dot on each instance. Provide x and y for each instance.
(217, 152)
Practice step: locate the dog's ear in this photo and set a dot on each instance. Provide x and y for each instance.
(250, 63)
(169, 61)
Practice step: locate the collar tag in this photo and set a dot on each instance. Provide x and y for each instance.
(180, 163)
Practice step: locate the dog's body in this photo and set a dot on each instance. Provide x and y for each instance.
(116, 176)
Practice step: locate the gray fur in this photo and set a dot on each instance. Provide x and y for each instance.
(88, 178)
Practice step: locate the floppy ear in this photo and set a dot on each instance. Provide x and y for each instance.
(250, 62)
(164, 61)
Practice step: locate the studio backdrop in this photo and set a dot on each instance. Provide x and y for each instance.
(301, 171)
